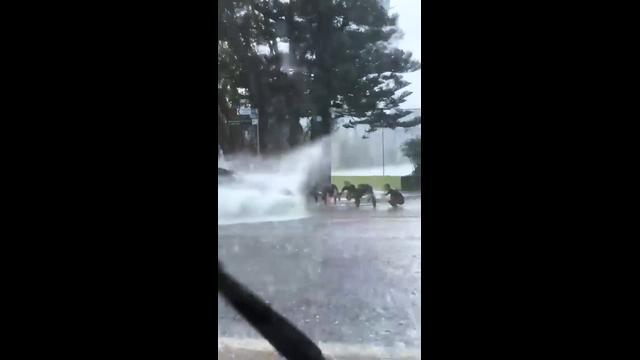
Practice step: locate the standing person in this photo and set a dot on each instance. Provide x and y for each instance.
(396, 197)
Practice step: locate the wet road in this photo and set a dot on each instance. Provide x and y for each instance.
(342, 275)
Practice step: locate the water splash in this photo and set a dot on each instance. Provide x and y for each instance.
(268, 188)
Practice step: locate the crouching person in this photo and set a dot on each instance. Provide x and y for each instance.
(395, 197)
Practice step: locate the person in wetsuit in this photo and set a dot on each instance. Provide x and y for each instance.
(396, 197)
(357, 192)
(349, 188)
(329, 191)
(324, 192)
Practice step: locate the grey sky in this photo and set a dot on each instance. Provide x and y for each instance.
(409, 20)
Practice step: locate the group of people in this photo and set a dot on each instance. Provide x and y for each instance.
(356, 193)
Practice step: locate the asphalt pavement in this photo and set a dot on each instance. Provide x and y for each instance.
(347, 277)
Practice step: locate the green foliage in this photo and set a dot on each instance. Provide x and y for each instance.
(338, 64)
(413, 150)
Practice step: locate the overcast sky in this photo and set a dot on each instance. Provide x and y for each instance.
(409, 21)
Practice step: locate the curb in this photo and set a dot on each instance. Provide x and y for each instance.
(231, 348)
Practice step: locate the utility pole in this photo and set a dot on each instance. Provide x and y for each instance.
(258, 134)
(255, 120)
(382, 151)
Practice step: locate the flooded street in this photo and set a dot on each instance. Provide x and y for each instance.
(342, 275)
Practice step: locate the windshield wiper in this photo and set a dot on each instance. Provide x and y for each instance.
(275, 328)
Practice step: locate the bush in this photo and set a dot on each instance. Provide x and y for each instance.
(413, 150)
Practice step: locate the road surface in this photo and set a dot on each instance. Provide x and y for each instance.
(345, 276)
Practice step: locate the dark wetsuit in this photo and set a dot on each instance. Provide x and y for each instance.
(396, 197)
(358, 192)
(324, 192)
(329, 191)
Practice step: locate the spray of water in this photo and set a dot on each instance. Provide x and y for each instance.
(268, 188)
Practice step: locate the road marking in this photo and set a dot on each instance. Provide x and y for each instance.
(330, 349)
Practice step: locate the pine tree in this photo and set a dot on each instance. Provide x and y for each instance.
(413, 150)
(243, 27)
(339, 64)
(350, 69)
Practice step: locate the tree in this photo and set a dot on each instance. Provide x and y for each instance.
(413, 150)
(240, 30)
(338, 64)
(351, 70)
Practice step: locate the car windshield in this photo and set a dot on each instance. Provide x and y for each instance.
(319, 173)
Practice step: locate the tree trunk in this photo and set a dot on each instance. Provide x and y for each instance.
(253, 66)
(223, 132)
(296, 133)
(232, 141)
(256, 92)
(323, 84)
